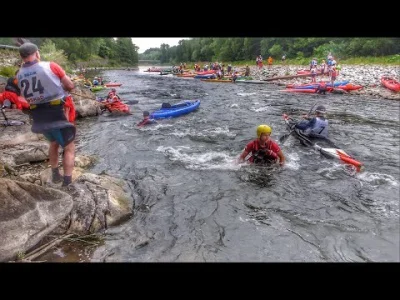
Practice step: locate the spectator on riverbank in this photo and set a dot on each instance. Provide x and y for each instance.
(270, 60)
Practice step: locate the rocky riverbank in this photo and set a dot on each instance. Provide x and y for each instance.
(367, 76)
(33, 210)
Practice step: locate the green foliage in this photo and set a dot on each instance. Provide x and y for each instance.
(276, 50)
(49, 52)
(8, 71)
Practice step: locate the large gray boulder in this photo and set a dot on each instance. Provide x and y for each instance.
(100, 201)
(85, 102)
(28, 213)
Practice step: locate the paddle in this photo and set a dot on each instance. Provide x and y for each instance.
(8, 122)
(4, 115)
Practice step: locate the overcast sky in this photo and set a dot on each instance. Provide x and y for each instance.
(146, 43)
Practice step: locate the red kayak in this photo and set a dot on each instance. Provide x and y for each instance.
(390, 83)
(118, 107)
(350, 87)
(308, 91)
(112, 84)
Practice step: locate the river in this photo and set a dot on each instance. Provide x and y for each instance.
(193, 203)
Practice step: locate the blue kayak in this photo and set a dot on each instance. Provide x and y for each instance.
(175, 110)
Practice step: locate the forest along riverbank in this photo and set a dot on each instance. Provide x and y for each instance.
(193, 203)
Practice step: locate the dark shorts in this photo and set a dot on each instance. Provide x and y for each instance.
(62, 136)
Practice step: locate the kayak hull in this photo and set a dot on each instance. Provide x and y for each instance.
(176, 110)
(112, 84)
(118, 107)
(390, 83)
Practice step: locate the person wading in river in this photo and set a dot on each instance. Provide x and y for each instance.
(263, 149)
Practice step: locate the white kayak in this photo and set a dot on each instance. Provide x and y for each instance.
(333, 152)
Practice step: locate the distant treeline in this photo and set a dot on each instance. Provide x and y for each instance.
(244, 49)
(98, 52)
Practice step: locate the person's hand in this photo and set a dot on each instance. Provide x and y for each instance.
(305, 116)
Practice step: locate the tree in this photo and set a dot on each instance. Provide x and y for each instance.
(276, 50)
(49, 52)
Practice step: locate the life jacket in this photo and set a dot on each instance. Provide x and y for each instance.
(322, 86)
(45, 94)
(12, 86)
(320, 128)
(147, 121)
(70, 104)
(263, 155)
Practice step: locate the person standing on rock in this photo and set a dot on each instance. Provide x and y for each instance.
(43, 85)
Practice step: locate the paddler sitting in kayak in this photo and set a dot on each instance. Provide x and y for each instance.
(263, 149)
(112, 97)
(314, 127)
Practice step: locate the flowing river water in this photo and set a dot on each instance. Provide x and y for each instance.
(193, 203)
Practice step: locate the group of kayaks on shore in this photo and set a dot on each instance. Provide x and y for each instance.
(233, 76)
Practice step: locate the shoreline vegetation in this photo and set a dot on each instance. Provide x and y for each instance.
(77, 53)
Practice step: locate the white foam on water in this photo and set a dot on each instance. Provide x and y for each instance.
(377, 178)
(234, 105)
(220, 131)
(154, 127)
(213, 132)
(246, 94)
(260, 109)
(292, 161)
(201, 161)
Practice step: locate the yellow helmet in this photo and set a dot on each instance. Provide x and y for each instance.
(263, 129)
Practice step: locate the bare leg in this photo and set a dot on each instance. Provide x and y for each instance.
(53, 154)
(69, 159)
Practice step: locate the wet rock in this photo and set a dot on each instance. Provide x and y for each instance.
(84, 161)
(85, 102)
(28, 213)
(30, 177)
(25, 153)
(100, 201)
(46, 176)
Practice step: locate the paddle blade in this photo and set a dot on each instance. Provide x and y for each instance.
(132, 101)
(284, 137)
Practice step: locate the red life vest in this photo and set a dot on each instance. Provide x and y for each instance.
(263, 155)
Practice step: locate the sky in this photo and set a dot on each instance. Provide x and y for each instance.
(146, 43)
